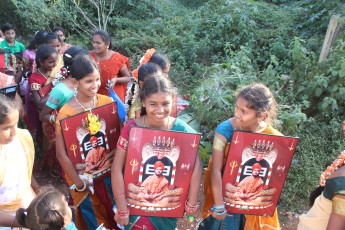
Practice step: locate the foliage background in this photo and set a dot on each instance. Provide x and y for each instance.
(218, 46)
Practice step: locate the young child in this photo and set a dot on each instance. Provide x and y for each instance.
(92, 209)
(156, 98)
(254, 111)
(61, 33)
(17, 185)
(10, 44)
(49, 210)
(30, 52)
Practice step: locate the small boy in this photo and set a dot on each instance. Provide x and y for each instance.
(10, 45)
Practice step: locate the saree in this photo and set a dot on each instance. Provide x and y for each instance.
(318, 216)
(108, 70)
(251, 221)
(91, 209)
(16, 163)
(151, 222)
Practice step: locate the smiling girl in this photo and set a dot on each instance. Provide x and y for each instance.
(156, 96)
(92, 209)
(254, 111)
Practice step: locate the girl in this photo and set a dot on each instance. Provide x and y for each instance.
(92, 209)
(45, 60)
(328, 200)
(61, 33)
(114, 66)
(17, 184)
(48, 211)
(254, 111)
(53, 40)
(30, 52)
(145, 71)
(156, 98)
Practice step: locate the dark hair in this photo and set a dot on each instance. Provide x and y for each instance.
(37, 40)
(82, 66)
(51, 37)
(154, 85)
(43, 52)
(7, 26)
(70, 54)
(147, 70)
(7, 105)
(19, 56)
(260, 99)
(160, 59)
(104, 35)
(45, 212)
(58, 28)
(314, 194)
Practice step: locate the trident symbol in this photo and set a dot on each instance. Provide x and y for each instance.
(73, 148)
(133, 163)
(114, 111)
(66, 127)
(233, 164)
(193, 145)
(236, 141)
(291, 148)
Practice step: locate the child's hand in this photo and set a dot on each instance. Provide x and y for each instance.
(111, 83)
(122, 221)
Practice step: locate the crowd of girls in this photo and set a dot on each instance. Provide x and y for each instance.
(77, 80)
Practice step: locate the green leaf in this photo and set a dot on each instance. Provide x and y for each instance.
(318, 92)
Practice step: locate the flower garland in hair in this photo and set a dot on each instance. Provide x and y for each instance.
(144, 59)
(331, 169)
(60, 75)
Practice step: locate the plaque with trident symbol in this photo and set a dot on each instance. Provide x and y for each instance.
(133, 163)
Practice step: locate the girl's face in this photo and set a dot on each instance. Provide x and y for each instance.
(158, 106)
(61, 35)
(245, 116)
(49, 63)
(8, 129)
(56, 44)
(89, 85)
(99, 46)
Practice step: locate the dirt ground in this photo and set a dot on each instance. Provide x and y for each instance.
(288, 220)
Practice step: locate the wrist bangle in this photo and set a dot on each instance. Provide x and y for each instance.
(83, 189)
(52, 119)
(219, 207)
(118, 196)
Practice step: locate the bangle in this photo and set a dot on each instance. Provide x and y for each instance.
(81, 190)
(52, 119)
(191, 208)
(219, 210)
(219, 207)
(123, 214)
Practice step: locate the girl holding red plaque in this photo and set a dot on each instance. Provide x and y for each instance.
(254, 111)
(92, 209)
(156, 96)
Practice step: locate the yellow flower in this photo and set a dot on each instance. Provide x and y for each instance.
(94, 124)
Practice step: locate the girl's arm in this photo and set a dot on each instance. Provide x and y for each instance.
(7, 220)
(118, 184)
(39, 102)
(195, 183)
(337, 218)
(216, 171)
(46, 113)
(123, 77)
(66, 163)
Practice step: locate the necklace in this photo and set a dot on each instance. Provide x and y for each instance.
(85, 109)
(331, 169)
(38, 70)
(167, 128)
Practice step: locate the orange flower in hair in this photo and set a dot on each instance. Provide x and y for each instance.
(145, 59)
